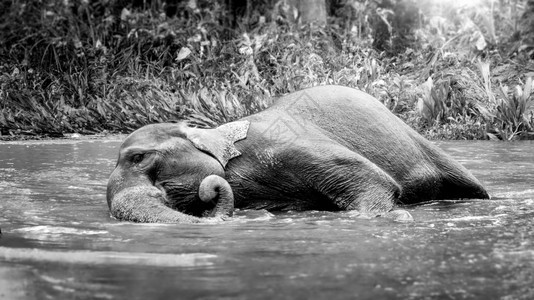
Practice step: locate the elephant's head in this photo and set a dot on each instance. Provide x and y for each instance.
(174, 173)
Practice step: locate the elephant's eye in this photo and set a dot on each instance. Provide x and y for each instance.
(137, 158)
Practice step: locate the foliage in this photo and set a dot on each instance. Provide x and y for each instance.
(109, 65)
(514, 114)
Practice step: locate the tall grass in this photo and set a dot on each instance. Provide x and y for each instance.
(80, 66)
(514, 112)
(83, 73)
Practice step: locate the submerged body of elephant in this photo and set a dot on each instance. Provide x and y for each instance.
(323, 148)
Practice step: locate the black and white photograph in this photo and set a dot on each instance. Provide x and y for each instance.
(266, 149)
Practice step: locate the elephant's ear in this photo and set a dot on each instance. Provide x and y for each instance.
(219, 142)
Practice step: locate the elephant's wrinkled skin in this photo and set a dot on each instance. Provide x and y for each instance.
(323, 148)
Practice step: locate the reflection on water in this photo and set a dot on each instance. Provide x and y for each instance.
(59, 242)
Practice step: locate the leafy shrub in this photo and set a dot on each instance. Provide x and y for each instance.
(108, 65)
(514, 114)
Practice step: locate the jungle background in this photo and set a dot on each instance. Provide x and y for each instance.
(449, 69)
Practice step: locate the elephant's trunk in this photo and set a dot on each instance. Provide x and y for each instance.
(214, 188)
(145, 204)
(141, 202)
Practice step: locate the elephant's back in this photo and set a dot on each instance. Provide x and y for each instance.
(350, 116)
(338, 103)
(324, 95)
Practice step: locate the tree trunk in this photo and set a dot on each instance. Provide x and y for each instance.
(310, 10)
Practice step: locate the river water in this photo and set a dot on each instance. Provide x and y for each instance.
(59, 242)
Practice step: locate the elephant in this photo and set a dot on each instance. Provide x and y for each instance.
(329, 148)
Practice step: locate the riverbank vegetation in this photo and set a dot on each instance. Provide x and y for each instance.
(459, 71)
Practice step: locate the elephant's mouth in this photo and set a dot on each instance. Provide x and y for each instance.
(185, 199)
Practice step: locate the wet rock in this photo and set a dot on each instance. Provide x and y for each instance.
(399, 215)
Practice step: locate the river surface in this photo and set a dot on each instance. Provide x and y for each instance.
(59, 242)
